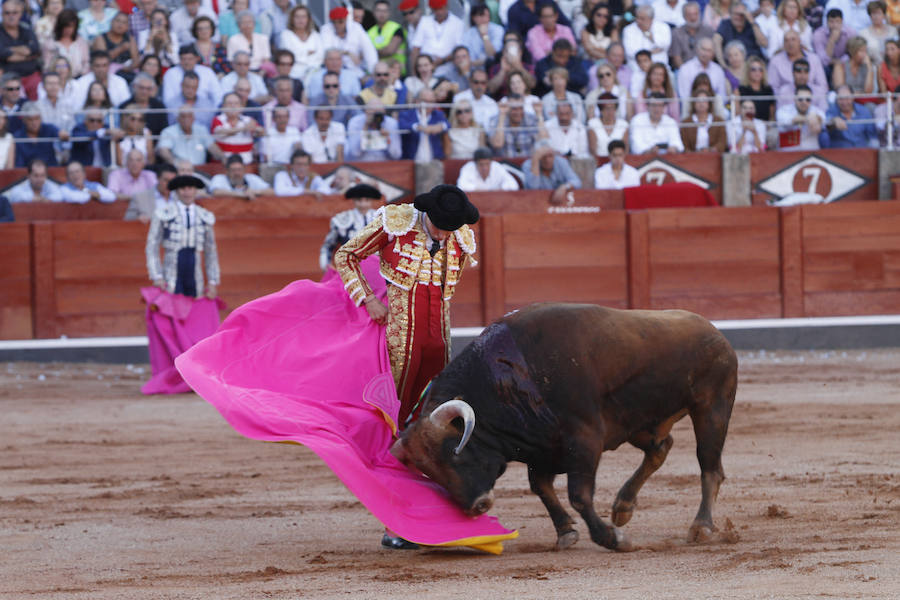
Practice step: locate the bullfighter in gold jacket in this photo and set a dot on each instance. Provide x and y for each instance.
(423, 247)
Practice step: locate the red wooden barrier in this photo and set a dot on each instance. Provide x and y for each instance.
(82, 278)
(563, 258)
(15, 281)
(62, 211)
(538, 201)
(835, 174)
(721, 263)
(851, 259)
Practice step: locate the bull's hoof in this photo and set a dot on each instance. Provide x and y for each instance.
(699, 534)
(566, 539)
(622, 512)
(623, 543)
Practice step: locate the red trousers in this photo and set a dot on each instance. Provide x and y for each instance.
(426, 353)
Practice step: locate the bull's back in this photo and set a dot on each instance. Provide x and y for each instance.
(629, 365)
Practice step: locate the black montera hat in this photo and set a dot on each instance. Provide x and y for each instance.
(363, 190)
(183, 181)
(448, 207)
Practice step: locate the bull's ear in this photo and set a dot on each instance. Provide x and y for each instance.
(398, 449)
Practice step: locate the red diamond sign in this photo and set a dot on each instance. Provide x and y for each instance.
(813, 175)
(658, 172)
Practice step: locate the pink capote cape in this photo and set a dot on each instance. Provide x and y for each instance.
(307, 366)
(174, 324)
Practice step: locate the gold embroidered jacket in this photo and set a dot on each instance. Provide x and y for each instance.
(397, 233)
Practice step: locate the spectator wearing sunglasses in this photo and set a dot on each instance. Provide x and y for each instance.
(465, 135)
(11, 99)
(92, 147)
(800, 123)
(484, 108)
(331, 96)
(381, 87)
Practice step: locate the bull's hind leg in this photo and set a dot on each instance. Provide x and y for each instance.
(710, 428)
(656, 446)
(542, 486)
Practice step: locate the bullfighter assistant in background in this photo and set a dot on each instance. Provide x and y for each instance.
(180, 310)
(348, 223)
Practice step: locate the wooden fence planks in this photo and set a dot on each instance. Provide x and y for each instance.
(15, 281)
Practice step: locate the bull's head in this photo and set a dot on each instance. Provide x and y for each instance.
(437, 446)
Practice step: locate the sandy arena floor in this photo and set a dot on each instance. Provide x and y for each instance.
(107, 494)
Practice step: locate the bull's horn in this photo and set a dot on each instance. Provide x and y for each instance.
(448, 411)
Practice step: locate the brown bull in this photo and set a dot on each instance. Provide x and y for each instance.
(556, 385)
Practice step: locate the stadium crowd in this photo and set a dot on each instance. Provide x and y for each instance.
(147, 90)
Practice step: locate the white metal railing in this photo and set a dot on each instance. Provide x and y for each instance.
(733, 115)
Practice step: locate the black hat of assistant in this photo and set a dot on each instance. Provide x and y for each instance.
(183, 181)
(363, 190)
(447, 207)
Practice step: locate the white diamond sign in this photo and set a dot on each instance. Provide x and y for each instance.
(391, 192)
(658, 172)
(813, 175)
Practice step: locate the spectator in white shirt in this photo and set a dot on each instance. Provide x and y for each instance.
(325, 139)
(183, 20)
(608, 127)
(37, 188)
(189, 60)
(800, 123)
(115, 85)
(297, 179)
(748, 135)
(855, 12)
(654, 132)
(359, 54)
(79, 190)
(647, 33)
(483, 174)
(768, 25)
(255, 44)
(237, 183)
(615, 174)
(670, 12)
(437, 34)
(484, 108)
(281, 138)
(567, 136)
(259, 93)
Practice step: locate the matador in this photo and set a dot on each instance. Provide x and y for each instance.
(423, 248)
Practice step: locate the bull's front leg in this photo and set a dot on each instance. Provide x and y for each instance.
(542, 486)
(581, 495)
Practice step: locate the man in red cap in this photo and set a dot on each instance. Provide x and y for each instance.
(412, 15)
(348, 36)
(437, 34)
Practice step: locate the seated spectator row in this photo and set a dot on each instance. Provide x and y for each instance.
(263, 78)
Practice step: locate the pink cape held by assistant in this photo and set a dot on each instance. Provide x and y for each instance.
(305, 365)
